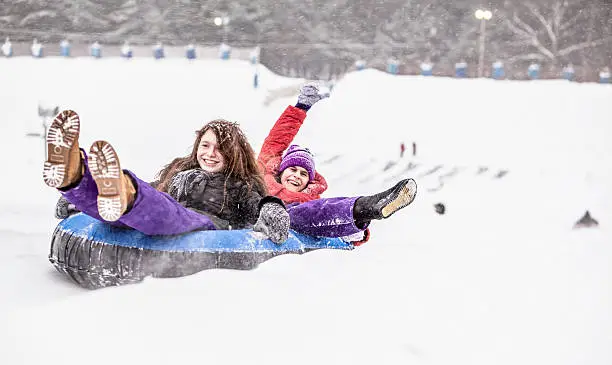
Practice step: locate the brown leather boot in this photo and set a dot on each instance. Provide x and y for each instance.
(63, 166)
(116, 192)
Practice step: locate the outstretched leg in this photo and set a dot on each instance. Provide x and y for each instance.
(66, 165)
(112, 193)
(341, 217)
(125, 198)
(115, 190)
(63, 165)
(384, 204)
(329, 217)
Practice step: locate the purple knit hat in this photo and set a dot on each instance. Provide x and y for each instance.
(298, 156)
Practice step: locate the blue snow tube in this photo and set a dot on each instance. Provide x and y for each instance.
(95, 254)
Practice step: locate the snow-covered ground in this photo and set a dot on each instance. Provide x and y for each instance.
(501, 278)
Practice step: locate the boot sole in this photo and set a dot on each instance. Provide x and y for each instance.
(402, 197)
(61, 136)
(106, 171)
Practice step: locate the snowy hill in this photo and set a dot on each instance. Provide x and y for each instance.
(501, 278)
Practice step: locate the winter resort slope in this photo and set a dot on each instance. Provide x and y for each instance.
(501, 278)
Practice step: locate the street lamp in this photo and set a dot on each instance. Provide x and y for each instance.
(483, 16)
(222, 21)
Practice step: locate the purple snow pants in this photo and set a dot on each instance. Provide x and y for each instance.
(153, 212)
(332, 217)
(157, 213)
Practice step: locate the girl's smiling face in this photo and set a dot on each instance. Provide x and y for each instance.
(209, 155)
(294, 178)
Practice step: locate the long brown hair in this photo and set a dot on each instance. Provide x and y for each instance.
(238, 155)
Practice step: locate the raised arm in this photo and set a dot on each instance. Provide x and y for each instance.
(288, 124)
(282, 134)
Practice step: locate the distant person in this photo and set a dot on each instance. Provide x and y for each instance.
(7, 48)
(402, 149)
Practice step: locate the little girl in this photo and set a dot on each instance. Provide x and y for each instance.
(290, 174)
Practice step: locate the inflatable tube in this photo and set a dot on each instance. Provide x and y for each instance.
(95, 254)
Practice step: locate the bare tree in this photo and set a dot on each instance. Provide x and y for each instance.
(410, 31)
(550, 31)
(315, 37)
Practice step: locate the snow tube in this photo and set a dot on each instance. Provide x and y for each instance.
(95, 254)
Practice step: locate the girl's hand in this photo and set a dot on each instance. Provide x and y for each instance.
(64, 208)
(273, 221)
(310, 94)
(188, 184)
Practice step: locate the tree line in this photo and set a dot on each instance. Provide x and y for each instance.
(316, 38)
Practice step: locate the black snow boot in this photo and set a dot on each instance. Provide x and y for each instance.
(383, 205)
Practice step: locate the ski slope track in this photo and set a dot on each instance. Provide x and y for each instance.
(500, 278)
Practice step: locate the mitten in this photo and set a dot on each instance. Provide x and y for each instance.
(64, 208)
(273, 221)
(310, 94)
(187, 184)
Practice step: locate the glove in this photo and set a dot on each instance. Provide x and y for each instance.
(64, 208)
(187, 184)
(309, 95)
(273, 221)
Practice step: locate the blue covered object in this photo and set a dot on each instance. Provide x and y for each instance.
(190, 53)
(461, 69)
(200, 241)
(95, 254)
(498, 70)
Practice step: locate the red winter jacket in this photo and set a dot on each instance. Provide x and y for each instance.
(270, 156)
(278, 140)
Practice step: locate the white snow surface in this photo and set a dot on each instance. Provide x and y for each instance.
(501, 278)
